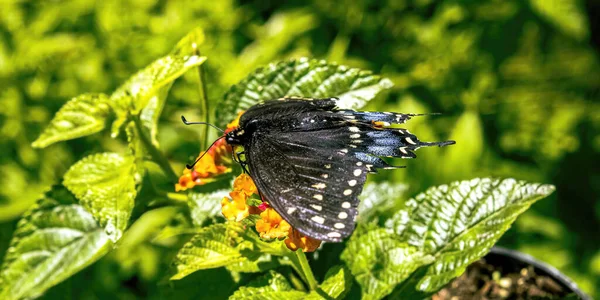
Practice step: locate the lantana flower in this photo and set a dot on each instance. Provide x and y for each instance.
(242, 201)
(215, 162)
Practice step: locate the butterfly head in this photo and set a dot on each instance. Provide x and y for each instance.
(238, 136)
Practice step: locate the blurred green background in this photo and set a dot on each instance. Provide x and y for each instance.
(518, 83)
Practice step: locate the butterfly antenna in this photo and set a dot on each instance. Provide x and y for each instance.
(200, 123)
(189, 167)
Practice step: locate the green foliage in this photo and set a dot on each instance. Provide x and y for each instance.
(55, 239)
(516, 82)
(81, 116)
(271, 286)
(302, 78)
(105, 185)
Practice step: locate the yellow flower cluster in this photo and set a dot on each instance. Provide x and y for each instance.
(217, 161)
(270, 225)
(235, 207)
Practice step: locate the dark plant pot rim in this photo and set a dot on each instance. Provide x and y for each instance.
(520, 259)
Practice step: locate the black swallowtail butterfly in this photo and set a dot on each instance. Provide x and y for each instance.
(310, 160)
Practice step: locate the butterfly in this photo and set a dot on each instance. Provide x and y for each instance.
(309, 159)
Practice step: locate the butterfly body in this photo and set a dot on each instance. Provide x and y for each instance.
(310, 160)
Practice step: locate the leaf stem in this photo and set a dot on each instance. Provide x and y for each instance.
(203, 99)
(301, 264)
(156, 155)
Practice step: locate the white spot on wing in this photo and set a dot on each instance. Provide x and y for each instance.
(359, 163)
(354, 136)
(410, 141)
(342, 215)
(347, 192)
(319, 185)
(339, 225)
(334, 234)
(346, 205)
(318, 197)
(327, 166)
(291, 210)
(352, 182)
(317, 207)
(353, 129)
(318, 219)
(325, 176)
(357, 172)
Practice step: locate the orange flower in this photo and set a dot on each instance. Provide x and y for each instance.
(271, 225)
(244, 183)
(235, 209)
(217, 161)
(297, 240)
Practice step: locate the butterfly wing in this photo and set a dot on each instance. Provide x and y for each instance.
(314, 190)
(310, 160)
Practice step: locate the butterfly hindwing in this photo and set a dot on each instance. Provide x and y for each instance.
(316, 192)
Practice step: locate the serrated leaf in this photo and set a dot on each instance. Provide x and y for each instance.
(55, 239)
(105, 185)
(152, 111)
(205, 205)
(306, 78)
(567, 15)
(211, 247)
(336, 285)
(460, 222)
(380, 198)
(134, 95)
(379, 261)
(83, 115)
(271, 286)
(259, 264)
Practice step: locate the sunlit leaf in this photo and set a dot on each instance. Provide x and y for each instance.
(54, 240)
(105, 185)
(303, 77)
(205, 205)
(336, 285)
(380, 260)
(380, 199)
(151, 112)
(567, 15)
(211, 247)
(83, 115)
(135, 94)
(460, 222)
(271, 286)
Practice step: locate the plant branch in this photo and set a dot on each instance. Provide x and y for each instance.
(204, 104)
(156, 155)
(301, 265)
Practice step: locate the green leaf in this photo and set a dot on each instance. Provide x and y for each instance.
(460, 222)
(306, 78)
(336, 285)
(204, 206)
(567, 15)
(271, 286)
(211, 247)
(55, 239)
(380, 199)
(151, 112)
(379, 261)
(83, 115)
(134, 95)
(105, 185)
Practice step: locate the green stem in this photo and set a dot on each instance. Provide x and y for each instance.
(301, 264)
(156, 155)
(203, 100)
